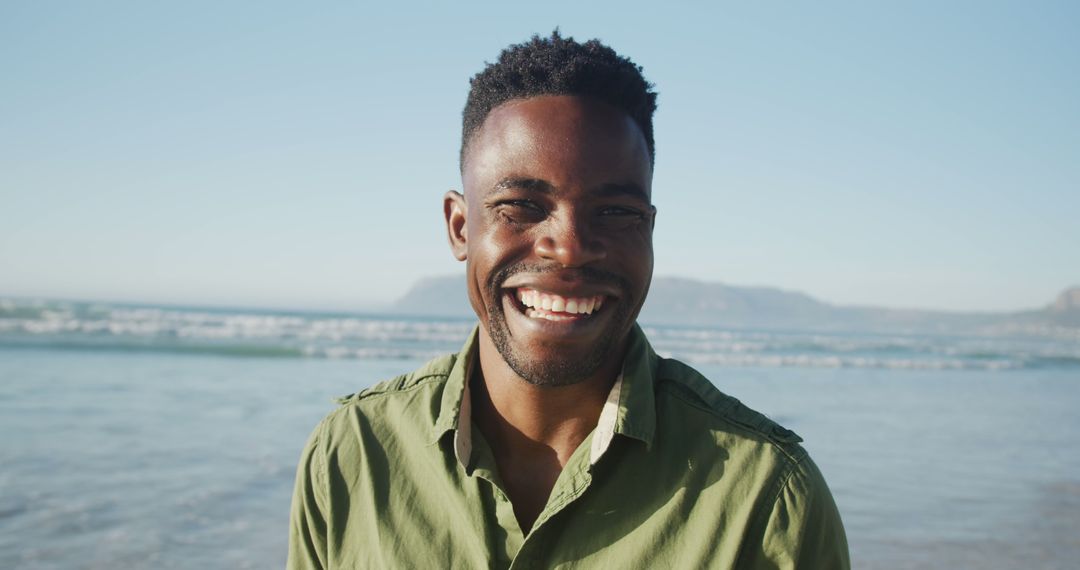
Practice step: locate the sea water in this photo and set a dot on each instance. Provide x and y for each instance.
(168, 438)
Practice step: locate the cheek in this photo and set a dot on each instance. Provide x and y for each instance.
(634, 255)
(474, 285)
(490, 251)
(645, 244)
(632, 243)
(501, 244)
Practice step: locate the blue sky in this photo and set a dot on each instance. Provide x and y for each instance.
(906, 154)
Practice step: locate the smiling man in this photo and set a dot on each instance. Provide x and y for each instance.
(557, 437)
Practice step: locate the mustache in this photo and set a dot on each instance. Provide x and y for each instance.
(590, 275)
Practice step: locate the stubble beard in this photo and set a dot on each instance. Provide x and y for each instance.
(553, 372)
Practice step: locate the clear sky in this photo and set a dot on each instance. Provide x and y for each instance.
(907, 154)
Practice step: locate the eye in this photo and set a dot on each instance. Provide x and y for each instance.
(622, 211)
(520, 211)
(619, 217)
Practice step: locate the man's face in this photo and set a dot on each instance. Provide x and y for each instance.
(556, 227)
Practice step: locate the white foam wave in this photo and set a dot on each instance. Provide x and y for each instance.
(388, 337)
(836, 361)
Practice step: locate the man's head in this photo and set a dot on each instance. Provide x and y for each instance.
(558, 66)
(556, 219)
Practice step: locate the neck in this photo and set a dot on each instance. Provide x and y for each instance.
(522, 419)
(533, 430)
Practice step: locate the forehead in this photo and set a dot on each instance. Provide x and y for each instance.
(563, 140)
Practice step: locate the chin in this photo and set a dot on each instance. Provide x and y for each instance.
(554, 363)
(552, 372)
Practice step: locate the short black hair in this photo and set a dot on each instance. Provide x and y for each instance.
(560, 66)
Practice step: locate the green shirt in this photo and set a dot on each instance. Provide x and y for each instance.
(675, 475)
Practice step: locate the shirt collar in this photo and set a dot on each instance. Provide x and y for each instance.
(630, 409)
(454, 397)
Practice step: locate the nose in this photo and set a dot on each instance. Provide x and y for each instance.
(568, 241)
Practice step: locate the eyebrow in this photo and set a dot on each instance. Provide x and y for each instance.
(629, 189)
(527, 184)
(543, 187)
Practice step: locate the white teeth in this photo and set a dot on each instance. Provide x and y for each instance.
(557, 304)
(534, 314)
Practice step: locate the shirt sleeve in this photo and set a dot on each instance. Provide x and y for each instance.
(804, 529)
(307, 519)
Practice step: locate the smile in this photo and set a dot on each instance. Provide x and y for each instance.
(553, 307)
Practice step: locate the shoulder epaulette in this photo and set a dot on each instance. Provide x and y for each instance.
(437, 367)
(694, 385)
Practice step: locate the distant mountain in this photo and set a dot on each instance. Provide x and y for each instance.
(443, 296)
(675, 301)
(679, 301)
(1065, 310)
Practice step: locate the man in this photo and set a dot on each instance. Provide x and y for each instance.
(557, 437)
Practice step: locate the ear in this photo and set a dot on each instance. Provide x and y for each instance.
(454, 210)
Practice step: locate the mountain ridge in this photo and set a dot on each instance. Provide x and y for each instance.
(682, 301)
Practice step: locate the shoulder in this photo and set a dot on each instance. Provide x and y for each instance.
(406, 404)
(692, 396)
(433, 372)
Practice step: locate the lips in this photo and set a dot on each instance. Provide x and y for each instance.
(565, 304)
(541, 305)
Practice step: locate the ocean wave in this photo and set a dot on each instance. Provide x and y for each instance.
(60, 325)
(836, 361)
(419, 353)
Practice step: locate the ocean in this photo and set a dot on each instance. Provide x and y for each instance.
(166, 437)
